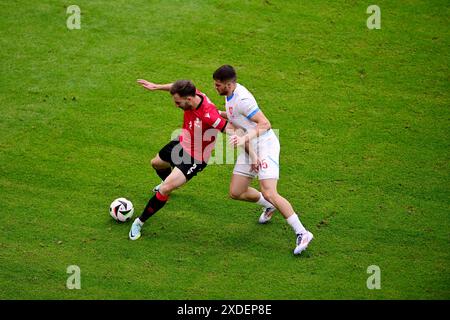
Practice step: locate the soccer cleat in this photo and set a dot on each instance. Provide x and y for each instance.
(156, 189)
(135, 231)
(303, 240)
(266, 215)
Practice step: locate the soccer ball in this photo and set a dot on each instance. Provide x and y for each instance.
(121, 209)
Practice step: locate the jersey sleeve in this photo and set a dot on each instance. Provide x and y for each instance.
(214, 120)
(247, 106)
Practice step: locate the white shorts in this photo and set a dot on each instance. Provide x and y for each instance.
(267, 148)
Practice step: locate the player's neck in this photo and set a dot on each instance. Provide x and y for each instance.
(197, 101)
(232, 88)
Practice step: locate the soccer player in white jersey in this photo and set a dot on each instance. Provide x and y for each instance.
(243, 113)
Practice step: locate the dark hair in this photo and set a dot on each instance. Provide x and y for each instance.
(225, 73)
(184, 88)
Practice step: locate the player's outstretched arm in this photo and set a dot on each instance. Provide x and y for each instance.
(154, 86)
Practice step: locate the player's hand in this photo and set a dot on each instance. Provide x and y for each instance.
(256, 165)
(237, 141)
(148, 85)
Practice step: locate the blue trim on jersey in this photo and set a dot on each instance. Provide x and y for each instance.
(230, 97)
(253, 113)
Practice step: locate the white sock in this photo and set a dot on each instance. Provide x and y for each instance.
(263, 202)
(139, 221)
(295, 223)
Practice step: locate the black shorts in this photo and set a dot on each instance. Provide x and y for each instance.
(174, 154)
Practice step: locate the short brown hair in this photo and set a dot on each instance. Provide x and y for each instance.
(183, 88)
(225, 73)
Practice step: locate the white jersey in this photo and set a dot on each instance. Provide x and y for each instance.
(241, 106)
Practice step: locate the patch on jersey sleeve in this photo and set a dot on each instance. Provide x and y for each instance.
(216, 123)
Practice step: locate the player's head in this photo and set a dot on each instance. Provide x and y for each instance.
(225, 80)
(183, 94)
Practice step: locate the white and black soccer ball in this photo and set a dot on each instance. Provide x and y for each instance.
(121, 209)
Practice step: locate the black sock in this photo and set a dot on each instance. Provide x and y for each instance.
(163, 173)
(154, 204)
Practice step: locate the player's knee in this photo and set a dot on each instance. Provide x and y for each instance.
(156, 163)
(233, 194)
(270, 195)
(153, 163)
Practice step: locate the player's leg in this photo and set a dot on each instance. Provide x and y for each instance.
(175, 180)
(160, 165)
(240, 190)
(240, 184)
(163, 162)
(162, 169)
(269, 190)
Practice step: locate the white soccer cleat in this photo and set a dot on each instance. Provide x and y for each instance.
(135, 231)
(303, 241)
(266, 215)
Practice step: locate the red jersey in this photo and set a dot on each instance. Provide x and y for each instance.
(200, 129)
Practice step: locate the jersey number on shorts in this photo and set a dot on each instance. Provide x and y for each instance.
(263, 164)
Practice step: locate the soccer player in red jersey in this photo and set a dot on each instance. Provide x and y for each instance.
(188, 154)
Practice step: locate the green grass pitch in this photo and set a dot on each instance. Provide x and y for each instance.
(363, 117)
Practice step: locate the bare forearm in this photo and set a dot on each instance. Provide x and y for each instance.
(165, 87)
(254, 160)
(248, 149)
(154, 86)
(262, 125)
(257, 131)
